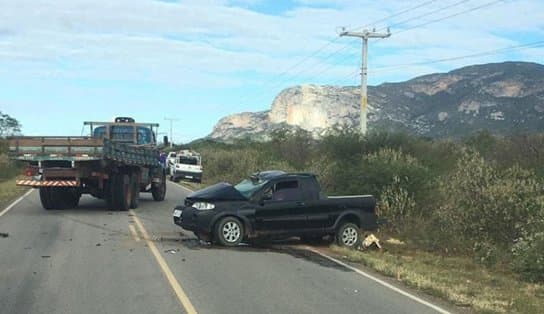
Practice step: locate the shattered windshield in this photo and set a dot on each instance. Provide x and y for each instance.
(247, 187)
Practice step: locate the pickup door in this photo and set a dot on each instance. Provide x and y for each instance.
(282, 207)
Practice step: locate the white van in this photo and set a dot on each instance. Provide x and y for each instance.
(187, 165)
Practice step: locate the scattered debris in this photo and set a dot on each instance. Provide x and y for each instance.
(27, 248)
(183, 259)
(34, 272)
(98, 244)
(4, 234)
(110, 213)
(394, 241)
(172, 251)
(130, 250)
(370, 240)
(130, 215)
(356, 291)
(46, 256)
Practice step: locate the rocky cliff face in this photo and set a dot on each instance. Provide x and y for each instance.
(504, 98)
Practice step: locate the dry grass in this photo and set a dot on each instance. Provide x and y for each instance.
(10, 192)
(457, 279)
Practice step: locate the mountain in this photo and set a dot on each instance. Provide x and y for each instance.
(504, 98)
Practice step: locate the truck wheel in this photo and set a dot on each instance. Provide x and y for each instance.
(121, 191)
(229, 231)
(348, 235)
(45, 198)
(72, 198)
(158, 191)
(135, 186)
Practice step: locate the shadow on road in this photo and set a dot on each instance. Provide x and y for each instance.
(291, 246)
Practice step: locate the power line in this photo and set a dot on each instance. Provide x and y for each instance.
(344, 47)
(488, 4)
(428, 13)
(327, 67)
(536, 44)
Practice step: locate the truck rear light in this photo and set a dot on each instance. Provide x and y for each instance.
(31, 171)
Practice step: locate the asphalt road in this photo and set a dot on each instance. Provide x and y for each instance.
(91, 260)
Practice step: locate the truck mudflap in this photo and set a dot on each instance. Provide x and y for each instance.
(50, 183)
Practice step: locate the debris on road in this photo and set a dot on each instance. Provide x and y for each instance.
(98, 244)
(172, 251)
(4, 234)
(46, 256)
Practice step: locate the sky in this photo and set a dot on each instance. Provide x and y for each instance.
(63, 62)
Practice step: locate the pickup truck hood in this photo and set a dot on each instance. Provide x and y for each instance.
(217, 192)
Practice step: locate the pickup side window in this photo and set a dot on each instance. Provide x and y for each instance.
(284, 191)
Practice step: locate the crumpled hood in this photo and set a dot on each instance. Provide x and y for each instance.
(217, 192)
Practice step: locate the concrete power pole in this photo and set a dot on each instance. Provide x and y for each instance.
(364, 35)
(171, 136)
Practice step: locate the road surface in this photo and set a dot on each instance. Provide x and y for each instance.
(91, 260)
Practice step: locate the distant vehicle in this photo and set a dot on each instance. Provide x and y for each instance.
(275, 203)
(187, 165)
(170, 159)
(116, 162)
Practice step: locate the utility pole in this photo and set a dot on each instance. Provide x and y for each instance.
(171, 122)
(364, 35)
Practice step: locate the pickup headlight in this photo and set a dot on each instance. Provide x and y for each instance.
(203, 206)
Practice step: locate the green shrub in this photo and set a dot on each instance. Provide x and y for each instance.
(488, 207)
(529, 257)
(398, 206)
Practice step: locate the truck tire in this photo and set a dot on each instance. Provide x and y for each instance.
(158, 190)
(348, 235)
(229, 231)
(121, 191)
(72, 198)
(45, 198)
(135, 186)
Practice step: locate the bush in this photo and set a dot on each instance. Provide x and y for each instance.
(529, 257)
(488, 207)
(397, 205)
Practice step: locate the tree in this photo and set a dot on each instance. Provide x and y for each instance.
(8, 125)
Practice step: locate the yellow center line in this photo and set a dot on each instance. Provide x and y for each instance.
(134, 233)
(182, 297)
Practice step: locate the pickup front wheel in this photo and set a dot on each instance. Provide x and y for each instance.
(348, 235)
(229, 231)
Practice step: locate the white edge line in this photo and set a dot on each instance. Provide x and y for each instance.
(10, 206)
(381, 282)
(362, 273)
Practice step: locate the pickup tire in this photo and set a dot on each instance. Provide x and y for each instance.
(229, 231)
(158, 190)
(348, 235)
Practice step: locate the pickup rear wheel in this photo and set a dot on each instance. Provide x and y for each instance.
(348, 235)
(229, 231)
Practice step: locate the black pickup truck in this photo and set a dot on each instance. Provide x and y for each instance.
(275, 203)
